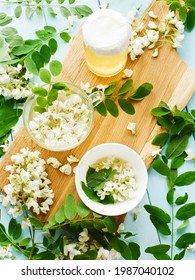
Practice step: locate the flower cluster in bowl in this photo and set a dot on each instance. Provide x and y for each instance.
(110, 180)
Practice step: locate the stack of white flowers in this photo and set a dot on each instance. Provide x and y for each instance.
(13, 83)
(84, 245)
(28, 184)
(123, 184)
(170, 29)
(64, 124)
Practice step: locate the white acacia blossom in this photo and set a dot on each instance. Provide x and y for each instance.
(132, 127)
(28, 184)
(169, 29)
(86, 243)
(123, 185)
(13, 83)
(65, 123)
(6, 253)
(190, 155)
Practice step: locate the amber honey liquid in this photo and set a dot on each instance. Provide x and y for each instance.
(104, 65)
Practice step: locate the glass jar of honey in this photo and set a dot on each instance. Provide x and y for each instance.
(106, 35)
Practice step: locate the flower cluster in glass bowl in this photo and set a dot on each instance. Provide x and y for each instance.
(64, 123)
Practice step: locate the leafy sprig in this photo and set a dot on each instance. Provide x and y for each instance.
(186, 11)
(179, 125)
(64, 228)
(124, 95)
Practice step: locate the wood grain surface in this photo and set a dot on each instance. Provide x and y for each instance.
(173, 81)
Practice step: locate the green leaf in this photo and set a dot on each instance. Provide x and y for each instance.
(161, 256)
(177, 146)
(31, 66)
(96, 179)
(170, 196)
(185, 179)
(70, 208)
(141, 92)
(45, 53)
(50, 29)
(101, 108)
(161, 226)
(44, 256)
(111, 88)
(180, 255)
(111, 107)
(65, 12)
(53, 45)
(39, 11)
(29, 12)
(125, 87)
(185, 240)
(161, 139)
(161, 248)
(5, 21)
(22, 50)
(38, 60)
(18, 11)
(82, 210)
(160, 167)
(45, 75)
(60, 85)
(183, 225)
(185, 212)
(24, 242)
(89, 192)
(159, 111)
(9, 31)
(7, 124)
(178, 161)
(36, 222)
(2, 15)
(82, 11)
(183, 13)
(55, 67)
(1, 43)
(181, 199)
(158, 212)
(126, 106)
(190, 19)
(171, 178)
(40, 91)
(65, 37)
(60, 215)
(111, 224)
(11, 226)
(43, 35)
(71, 1)
(39, 109)
(52, 96)
(41, 101)
(51, 11)
(135, 250)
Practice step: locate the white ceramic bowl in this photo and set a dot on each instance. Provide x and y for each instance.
(120, 151)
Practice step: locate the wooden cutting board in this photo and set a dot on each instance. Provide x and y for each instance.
(173, 81)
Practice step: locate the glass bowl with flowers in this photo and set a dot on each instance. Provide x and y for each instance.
(111, 179)
(59, 117)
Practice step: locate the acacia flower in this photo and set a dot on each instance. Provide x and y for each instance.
(66, 169)
(155, 53)
(72, 159)
(85, 87)
(156, 152)
(132, 127)
(54, 162)
(6, 252)
(152, 15)
(27, 184)
(152, 25)
(190, 155)
(128, 73)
